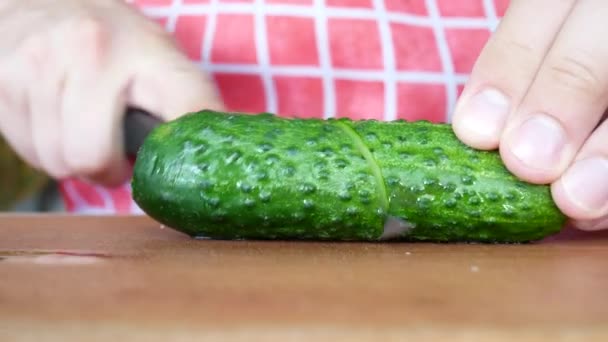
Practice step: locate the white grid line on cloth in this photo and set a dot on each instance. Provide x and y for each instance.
(386, 39)
(261, 47)
(108, 203)
(323, 49)
(311, 11)
(338, 73)
(444, 56)
(172, 18)
(489, 8)
(82, 206)
(210, 26)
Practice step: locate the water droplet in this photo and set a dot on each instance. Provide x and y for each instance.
(508, 211)
(265, 147)
(218, 216)
(320, 164)
(364, 193)
(346, 147)
(228, 139)
(387, 144)
(467, 179)
(249, 202)
(308, 203)
(492, 196)
(311, 142)
(352, 211)
(429, 181)
(474, 200)
(438, 150)
(244, 187)
(323, 174)
(475, 213)
(327, 152)
(264, 196)
(345, 196)
(380, 212)
(272, 159)
(424, 202)
(261, 175)
(292, 151)
(430, 163)
(371, 136)
(417, 188)
(288, 171)
(392, 181)
(206, 184)
(341, 163)
(511, 196)
(213, 202)
(233, 157)
(450, 202)
(449, 186)
(307, 188)
(298, 216)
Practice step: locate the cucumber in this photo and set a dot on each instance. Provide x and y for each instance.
(226, 175)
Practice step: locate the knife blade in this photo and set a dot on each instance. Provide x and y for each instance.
(137, 125)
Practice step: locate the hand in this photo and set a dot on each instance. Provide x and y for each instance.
(69, 70)
(538, 92)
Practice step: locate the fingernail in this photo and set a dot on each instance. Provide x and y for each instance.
(539, 141)
(484, 113)
(592, 225)
(586, 184)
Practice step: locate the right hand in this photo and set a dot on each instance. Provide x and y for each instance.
(68, 72)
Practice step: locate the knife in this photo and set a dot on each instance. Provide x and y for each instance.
(137, 125)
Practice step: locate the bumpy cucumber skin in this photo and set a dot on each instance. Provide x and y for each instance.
(245, 176)
(233, 177)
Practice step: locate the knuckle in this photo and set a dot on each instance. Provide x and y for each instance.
(34, 51)
(83, 161)
(576, 74)
(91, 37)
(52, 163)
(517, 58)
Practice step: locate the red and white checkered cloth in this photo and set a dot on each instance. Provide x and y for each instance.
(382, 59)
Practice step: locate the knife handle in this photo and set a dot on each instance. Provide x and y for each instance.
(137, 125)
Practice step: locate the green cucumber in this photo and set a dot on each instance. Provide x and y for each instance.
(260, 176)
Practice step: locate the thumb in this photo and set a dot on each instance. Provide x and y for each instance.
(171, 89)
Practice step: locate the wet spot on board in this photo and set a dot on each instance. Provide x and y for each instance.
(53, 257)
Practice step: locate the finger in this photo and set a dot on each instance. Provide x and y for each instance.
(591, 225)
(45, 77)
(564, 103)
(505, 69)
(172, 87)
(582, 191)
(92, 109)
(15, 123)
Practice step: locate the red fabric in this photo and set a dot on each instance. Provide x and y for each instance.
(382, 59)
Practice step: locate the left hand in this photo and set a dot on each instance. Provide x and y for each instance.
(538, 92)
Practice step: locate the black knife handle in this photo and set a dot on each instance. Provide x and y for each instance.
(137, 125)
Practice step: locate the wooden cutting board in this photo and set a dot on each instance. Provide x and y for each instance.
(127, 278)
